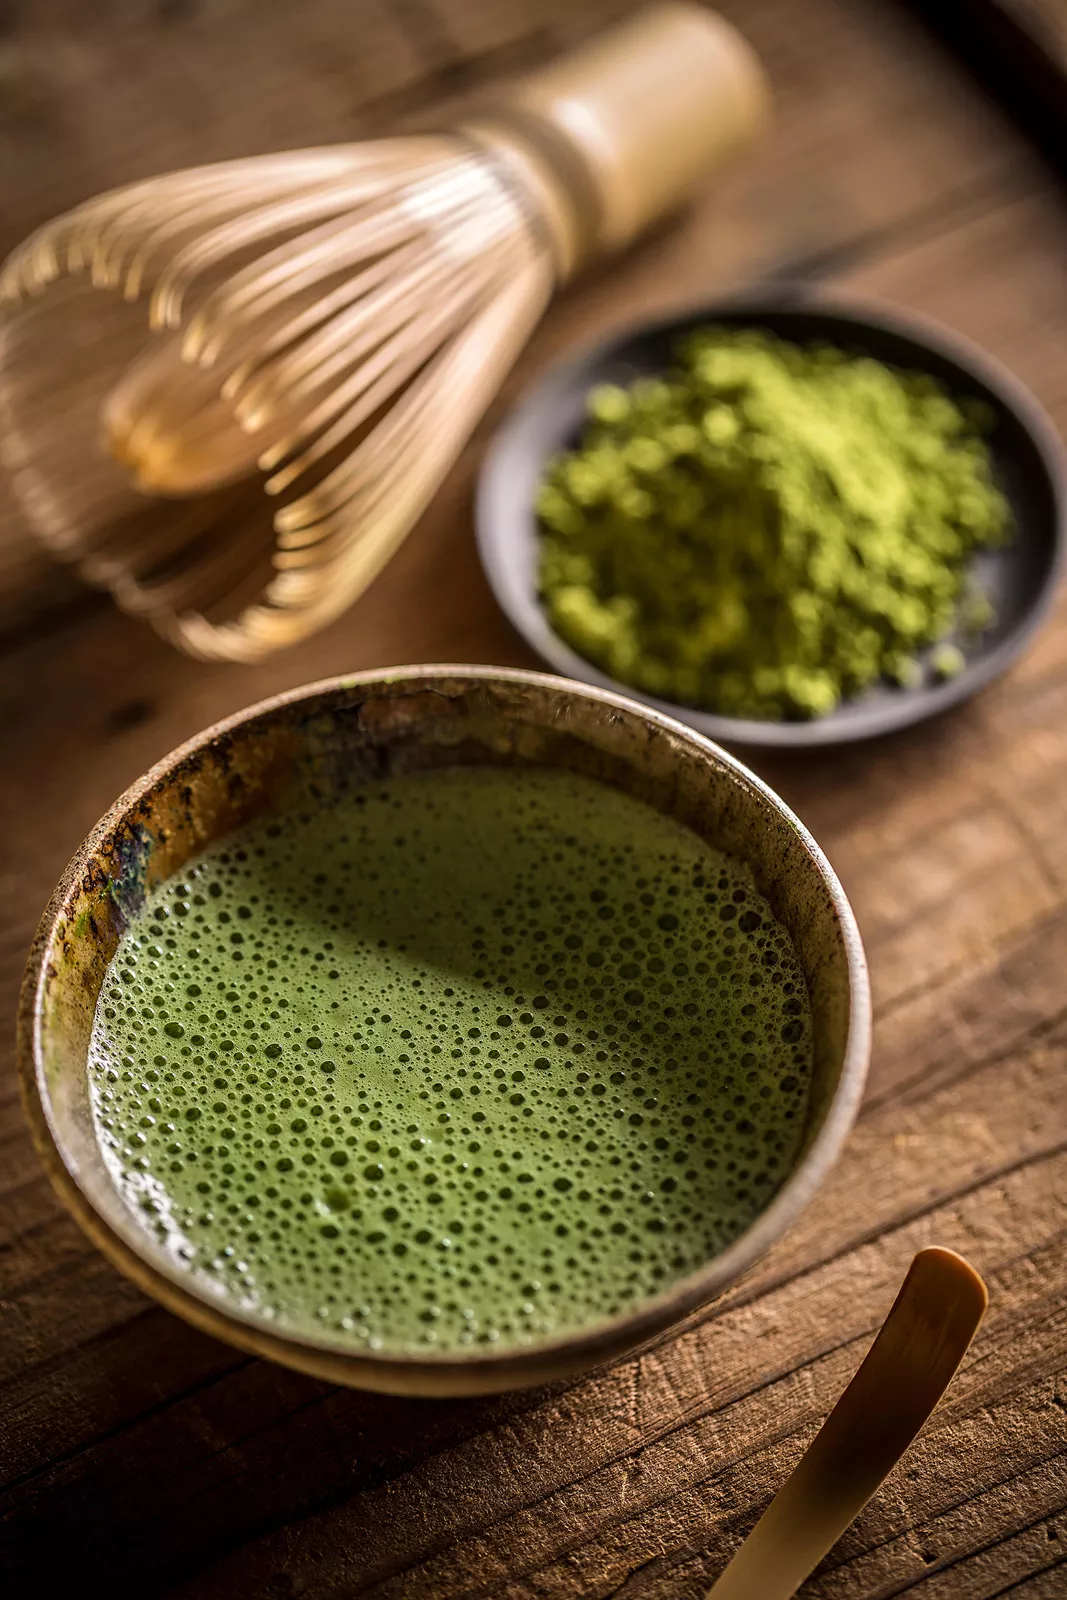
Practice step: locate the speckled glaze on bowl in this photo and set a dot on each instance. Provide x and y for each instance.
(375, 726)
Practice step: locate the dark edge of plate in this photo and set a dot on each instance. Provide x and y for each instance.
(507, 534)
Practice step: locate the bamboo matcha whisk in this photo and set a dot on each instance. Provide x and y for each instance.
(327, 326)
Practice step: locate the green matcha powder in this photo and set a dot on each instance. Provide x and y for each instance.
(767, 530)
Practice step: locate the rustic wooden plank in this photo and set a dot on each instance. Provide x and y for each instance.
(907, 1166)
(98, 95)
(936, 1559)
(51, 1410)
(103, 95)
(673, 1546)
(642, 1436)
(470, 30)
(855, 804)
(887, 170)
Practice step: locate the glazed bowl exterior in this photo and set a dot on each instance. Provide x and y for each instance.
(377, 726)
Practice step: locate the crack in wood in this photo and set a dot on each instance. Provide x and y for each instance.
(889, 172)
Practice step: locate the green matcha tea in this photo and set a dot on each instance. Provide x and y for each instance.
(476, 1056)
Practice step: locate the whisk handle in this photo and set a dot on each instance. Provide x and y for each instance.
(633, 121)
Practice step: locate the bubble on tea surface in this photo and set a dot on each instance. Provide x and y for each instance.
(472, 1057)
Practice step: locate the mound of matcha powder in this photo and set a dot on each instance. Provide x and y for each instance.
(766, 529)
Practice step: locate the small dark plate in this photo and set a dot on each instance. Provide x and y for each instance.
(1028, 460)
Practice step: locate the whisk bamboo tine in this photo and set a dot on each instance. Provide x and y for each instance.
(327, 250)
(126, 558)
(321, 310)
(46, 243)
(146, 542)
(263, 627)
(454, 295)
(105, 233)
(333, 321)
(213, 190)
(392, 366)
(118, 248)
(389, 333)
(34, 266)
(393, 353)
(200, 585)
(252, 226)
(323, 358)
(366, 231)
(335, 345)
(336, 246)
(128, 252)
(214, 449)
(508, 324)
(339, 243)
(335, 488)
(209, 459)
(397, 367)
(165, 577)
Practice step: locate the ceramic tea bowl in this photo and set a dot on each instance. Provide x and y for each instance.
(380, 725)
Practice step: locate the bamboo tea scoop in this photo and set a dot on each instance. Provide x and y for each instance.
(906, 1371)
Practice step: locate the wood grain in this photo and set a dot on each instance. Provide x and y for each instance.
(131, 1444)
(102, 95)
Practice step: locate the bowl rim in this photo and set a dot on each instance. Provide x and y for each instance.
(493, 507)
(476, 1370)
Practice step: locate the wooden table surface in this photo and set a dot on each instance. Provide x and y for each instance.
(137, 1451)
